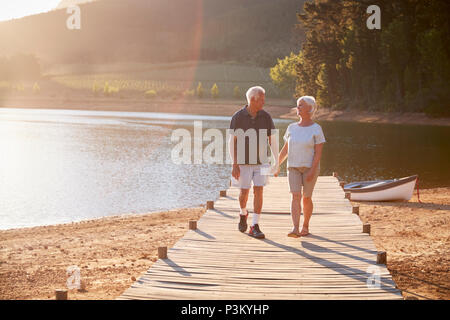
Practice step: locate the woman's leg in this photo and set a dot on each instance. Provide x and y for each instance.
(308, 188)
(296, 209)
(307, 213)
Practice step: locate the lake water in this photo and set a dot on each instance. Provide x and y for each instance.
(60, 166)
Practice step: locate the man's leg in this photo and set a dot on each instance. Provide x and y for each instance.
(245, 182)
(243, 198)
(259, 181)
(257, 203)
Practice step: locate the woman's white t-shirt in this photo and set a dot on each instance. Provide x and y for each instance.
(301, 142)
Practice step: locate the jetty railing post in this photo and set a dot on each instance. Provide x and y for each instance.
(366, 228)
(381, 257)
(162, 252)
(223, 193)
(61, 294)
(342, 183)
(192, 225)
(355, 209)
(348, 195)
(210, 205)
(335, 174)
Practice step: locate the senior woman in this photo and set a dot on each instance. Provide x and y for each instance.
(303, 148)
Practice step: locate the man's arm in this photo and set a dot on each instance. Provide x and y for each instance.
(274, 148)
(233, 155)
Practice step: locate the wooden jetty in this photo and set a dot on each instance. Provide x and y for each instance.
(216, 261)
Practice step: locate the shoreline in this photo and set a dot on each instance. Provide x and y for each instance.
(113, 251)
(278, 108)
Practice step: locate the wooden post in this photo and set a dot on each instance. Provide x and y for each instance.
(381, 257)
(61, 294)
(223, 193)
(192, 224)
(162, 252)
(335, 174)
(366, 228)
(347, 195)
(355, 209)
(210, 205)
(342, 184)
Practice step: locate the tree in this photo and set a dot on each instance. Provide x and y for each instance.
(36, 88)
(284, 74)
(200, 91)
(405, 66)
(214, 91)
(236, 92)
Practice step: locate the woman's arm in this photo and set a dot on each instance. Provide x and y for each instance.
(282, 157)
(283, 153)
(316, 160)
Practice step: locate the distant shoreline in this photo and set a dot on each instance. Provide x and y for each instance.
(278, 108)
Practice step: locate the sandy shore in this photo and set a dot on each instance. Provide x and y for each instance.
(278, 108)
(112, 252)
(416, 238)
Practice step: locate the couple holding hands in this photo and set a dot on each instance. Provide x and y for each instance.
(303, 149)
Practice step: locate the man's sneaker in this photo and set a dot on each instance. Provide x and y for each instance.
(243, 223)
(255, 232)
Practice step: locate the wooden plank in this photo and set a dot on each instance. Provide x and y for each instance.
(216, 261)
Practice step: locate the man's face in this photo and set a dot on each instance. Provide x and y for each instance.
(259, 101)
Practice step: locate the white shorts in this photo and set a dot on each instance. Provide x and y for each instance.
(250, 172)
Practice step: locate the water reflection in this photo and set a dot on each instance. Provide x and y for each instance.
(59, 166)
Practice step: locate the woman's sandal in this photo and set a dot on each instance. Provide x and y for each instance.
(293, 234)
(304, 232)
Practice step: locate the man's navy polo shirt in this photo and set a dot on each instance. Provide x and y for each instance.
(243, 120)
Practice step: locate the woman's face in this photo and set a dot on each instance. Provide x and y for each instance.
(303, 109)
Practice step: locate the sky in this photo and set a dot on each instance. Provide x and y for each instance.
(10, 9)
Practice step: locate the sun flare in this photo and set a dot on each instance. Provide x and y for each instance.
(20, 8)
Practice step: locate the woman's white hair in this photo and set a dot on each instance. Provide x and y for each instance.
(254, 92)
(309, 101)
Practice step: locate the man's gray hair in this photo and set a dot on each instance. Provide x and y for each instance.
(309, 101)
(254, 92)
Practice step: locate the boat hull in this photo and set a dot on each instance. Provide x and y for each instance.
(402, 189)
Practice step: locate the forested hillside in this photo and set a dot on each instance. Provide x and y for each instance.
(250, 31)
(404, 66)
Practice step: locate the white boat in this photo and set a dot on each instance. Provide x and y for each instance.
(382, 190)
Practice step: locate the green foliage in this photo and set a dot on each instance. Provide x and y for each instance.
(149, 94)
(113, 91)
(19, 87)
(36, 88)
(215, 91)
(237, 92)
(405, 66)
(284, 74)
(189, 93)
(168, 79)
(200, 91)
(106, 89)
(95, 88)
(110, 90)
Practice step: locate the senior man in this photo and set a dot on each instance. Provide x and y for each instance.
(251, 129)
